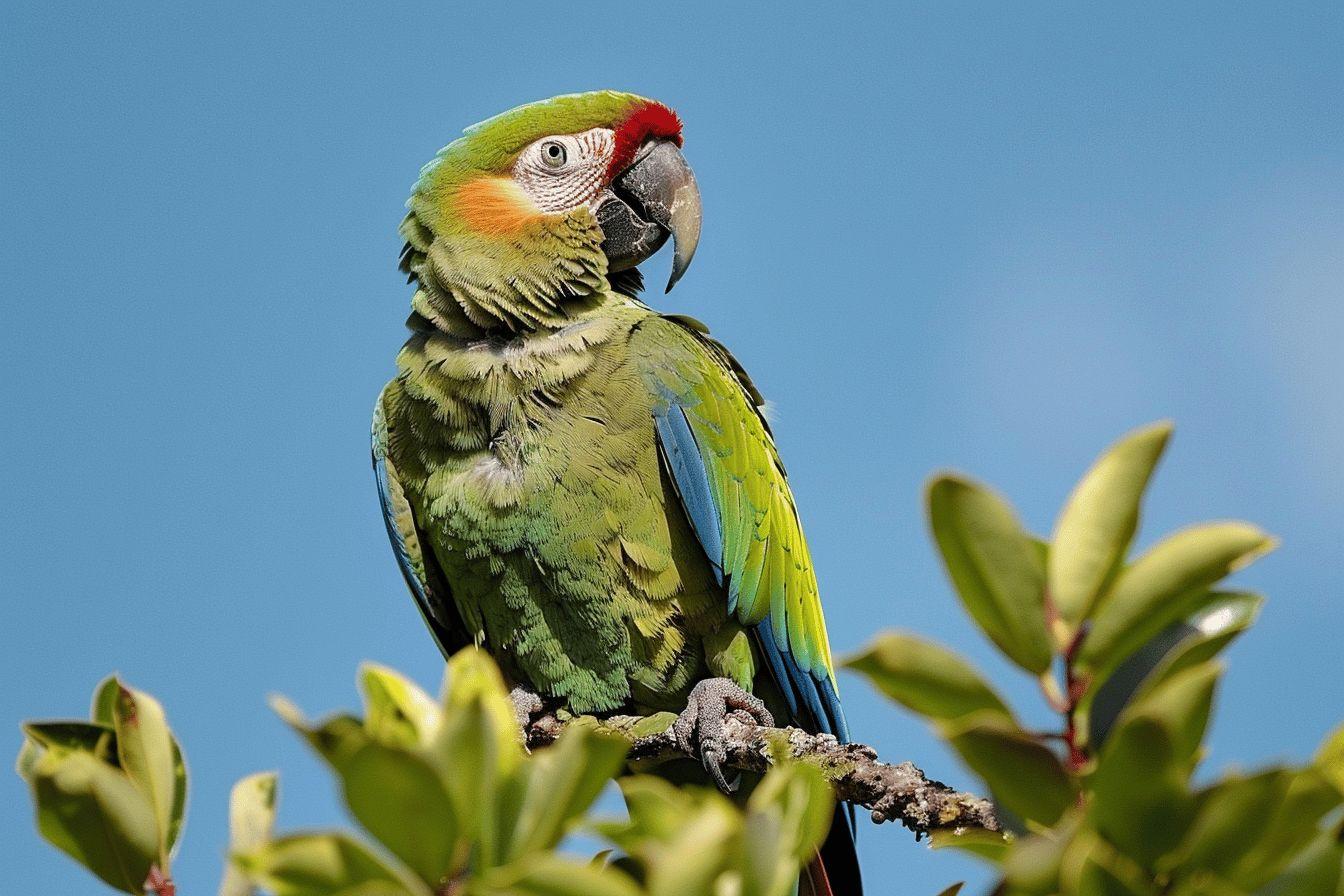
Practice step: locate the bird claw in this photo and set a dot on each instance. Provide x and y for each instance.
(526, 704)
(699, 730)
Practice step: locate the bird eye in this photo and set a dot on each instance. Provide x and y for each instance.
(553, 154)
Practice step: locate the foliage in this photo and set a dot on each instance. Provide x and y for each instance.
(1126, 652)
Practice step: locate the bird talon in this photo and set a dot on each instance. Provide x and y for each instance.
(699, 728)
(526, 704)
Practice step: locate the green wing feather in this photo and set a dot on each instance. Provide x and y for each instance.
(419, 569)
(724, 452)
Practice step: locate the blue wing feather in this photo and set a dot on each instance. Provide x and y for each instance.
(692, 481)
(803, 690)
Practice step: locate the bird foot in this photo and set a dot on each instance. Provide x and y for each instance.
(526, 704)
(699, 728)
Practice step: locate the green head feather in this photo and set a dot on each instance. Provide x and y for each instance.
(486, 257)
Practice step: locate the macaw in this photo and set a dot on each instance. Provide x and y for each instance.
(583, 486)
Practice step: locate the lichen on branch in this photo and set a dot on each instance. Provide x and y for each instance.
(891, 792)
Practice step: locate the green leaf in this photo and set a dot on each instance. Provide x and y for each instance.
(472, 682)
(1182, 704)
(397, 711)
(656, 809)
(1140, 795)
(251, 823)
(1230, 818)
(1290, 826)
(1176, 648)
(150, 756)
(563, 781)
(1140, 802)
(1099, 519)
(1329, 758)
(1316, 872)
(325, 865)
(987, 845)
(384, 785)
(926, 678)
(26, 761)
(554, 875)
(94, 813)
(1026, 777)
(683, 838)
(994, 566)
(693, 859)
(1223, 616)
(788, 816)
(1099, 876)
(1032, 865)
(99, 740)
(953, 890)
(1163, 586)
(387, 786)
(103, 707)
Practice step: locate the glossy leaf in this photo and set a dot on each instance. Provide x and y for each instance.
(1027, 778)
(325, 865)
(1099, 519)
(1329, 758)
(251, 823)
(1032, 866)
(563, 781)
(994, 566)
(26, 762)
(1163, 586)
(1178, 647)
(1289, 826)
(926, 678)
(99, 740)
(384, 785)
(95, 814)
(1141, 800)
(788, 816)
(1231, 817)
(692, 859)
(553, 875)
(397, 711)
(103, 706)
(654, 807)
(473, 681)
(401, 800)
(1315, 872)
(987, 845)
(150, 756)
(469, 754)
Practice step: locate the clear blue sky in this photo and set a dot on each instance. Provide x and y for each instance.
(936, 235)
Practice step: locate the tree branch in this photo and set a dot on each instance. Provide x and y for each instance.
(892, 792)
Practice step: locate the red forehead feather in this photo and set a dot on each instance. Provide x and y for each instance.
(648, 120)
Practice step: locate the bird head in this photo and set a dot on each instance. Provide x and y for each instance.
(555, 194)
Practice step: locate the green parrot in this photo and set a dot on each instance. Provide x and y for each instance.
(585, 487)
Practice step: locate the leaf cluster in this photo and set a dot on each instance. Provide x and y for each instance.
(1126, 652)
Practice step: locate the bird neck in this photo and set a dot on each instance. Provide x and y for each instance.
(473, 286)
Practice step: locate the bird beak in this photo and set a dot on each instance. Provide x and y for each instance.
(656, 197)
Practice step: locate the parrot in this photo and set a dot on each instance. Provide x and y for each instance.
(584, 487)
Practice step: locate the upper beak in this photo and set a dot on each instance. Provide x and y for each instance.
(653, 198)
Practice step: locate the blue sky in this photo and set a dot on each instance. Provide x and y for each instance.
(986, 238)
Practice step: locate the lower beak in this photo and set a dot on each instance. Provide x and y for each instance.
(654, 198)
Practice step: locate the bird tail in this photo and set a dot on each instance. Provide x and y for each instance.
(834, 871)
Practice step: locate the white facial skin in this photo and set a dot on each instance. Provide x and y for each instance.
(566, 171)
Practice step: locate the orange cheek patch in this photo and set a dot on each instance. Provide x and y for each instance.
(495, 205)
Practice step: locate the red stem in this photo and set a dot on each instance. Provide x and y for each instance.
(159, 883)
(1073, 692)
